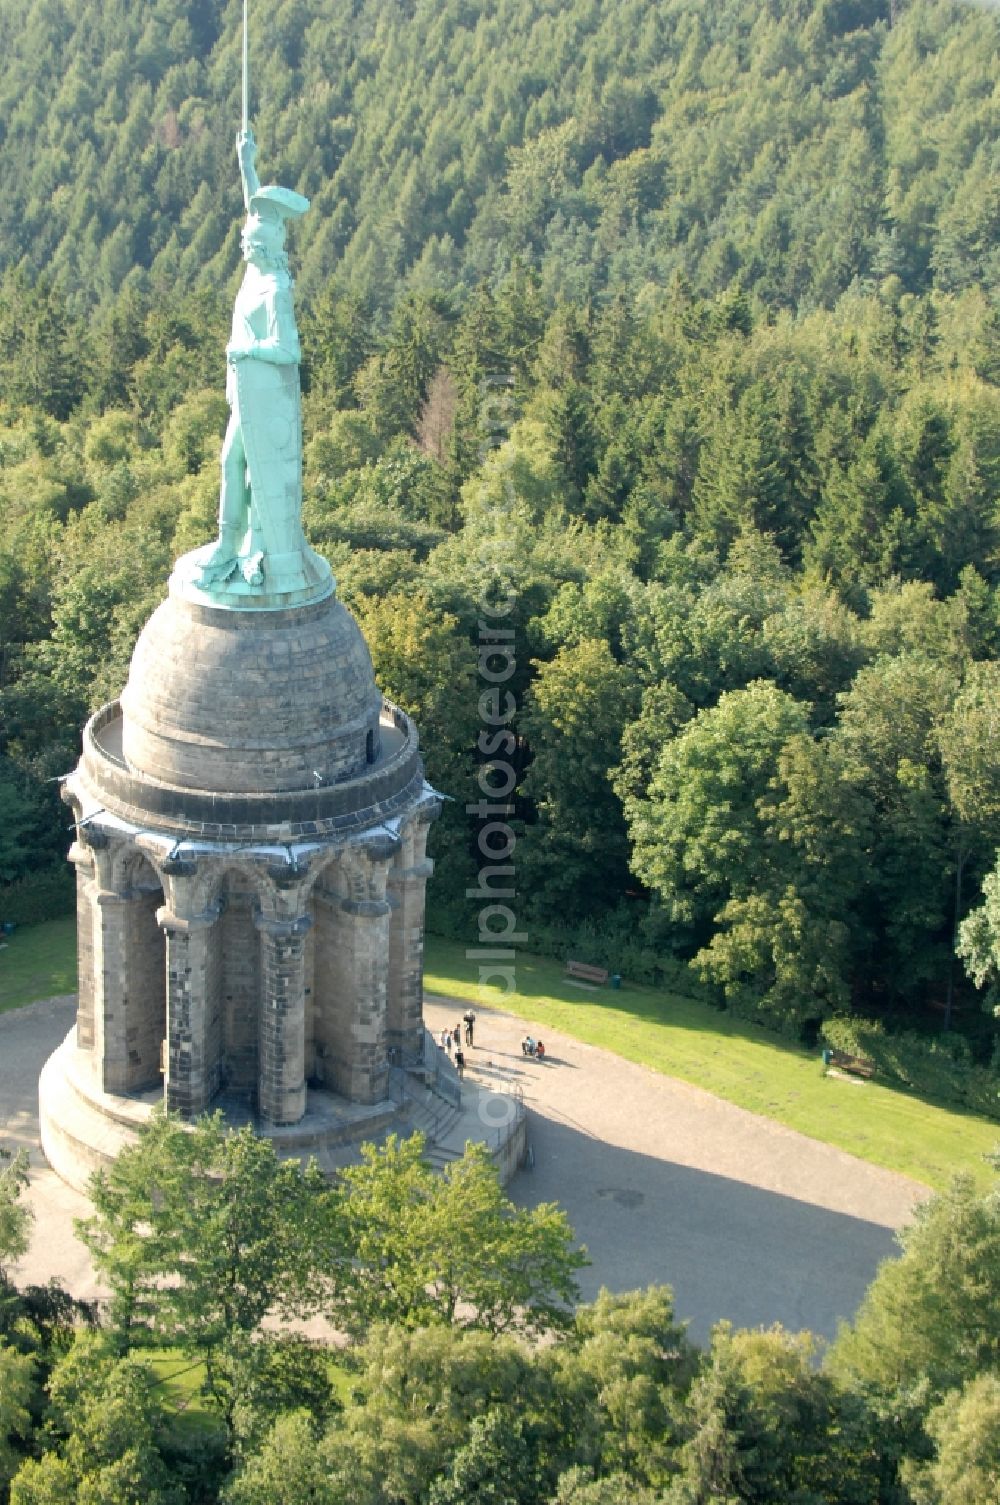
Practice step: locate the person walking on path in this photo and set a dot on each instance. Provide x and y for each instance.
(446, 1041)
(470, 1020)
(456, 1035)
(460, 1061)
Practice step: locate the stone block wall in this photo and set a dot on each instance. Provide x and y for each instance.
(309, 979)
(368, 942)
(111, 987)
(331, 981)
(350, 979)
(193, 1011)
(281, 1077)
(215, 969)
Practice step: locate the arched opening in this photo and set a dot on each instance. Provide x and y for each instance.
(324, 980)
(240, 987)
(140, 1052)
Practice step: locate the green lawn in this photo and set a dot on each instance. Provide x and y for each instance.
(179, 1382)
(38, 961)
(668, 1032)
(735, 1061)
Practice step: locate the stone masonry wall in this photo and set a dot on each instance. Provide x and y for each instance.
(309, 976)
(282, 1091)
(193, 1069)
(214, 1010)
(407, 885)
(111, 990)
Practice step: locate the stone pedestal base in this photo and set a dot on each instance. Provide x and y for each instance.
(84, 1128)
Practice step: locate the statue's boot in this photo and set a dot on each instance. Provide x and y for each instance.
(221, 561)
(251, 568)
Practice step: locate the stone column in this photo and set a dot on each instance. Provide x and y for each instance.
(102, 954)
(407, 886)
(110, 993)
(86, 890)
(350, 977)
(363, 1067)
(193, 1024)
(281, 1090)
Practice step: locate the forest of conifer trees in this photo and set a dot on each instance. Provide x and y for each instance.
(733, 271)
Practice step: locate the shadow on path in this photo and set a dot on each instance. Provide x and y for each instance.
(727, 1249)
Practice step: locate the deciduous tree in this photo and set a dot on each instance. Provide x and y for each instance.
(931, 1318)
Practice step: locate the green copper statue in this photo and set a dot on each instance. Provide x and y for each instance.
(261, 557)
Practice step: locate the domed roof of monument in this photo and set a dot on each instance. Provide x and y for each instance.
(239, 702)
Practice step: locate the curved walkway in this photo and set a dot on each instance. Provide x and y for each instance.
(28, 1037)
(663, 1182)
(744, 1218)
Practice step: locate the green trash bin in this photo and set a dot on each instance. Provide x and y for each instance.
(827, 1057)
(616, 981)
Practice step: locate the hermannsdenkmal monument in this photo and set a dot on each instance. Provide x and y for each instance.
(251, 816)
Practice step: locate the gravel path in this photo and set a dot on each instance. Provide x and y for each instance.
(662, 1182)
(27, 1038)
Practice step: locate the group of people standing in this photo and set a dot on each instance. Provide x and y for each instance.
(451, 1040)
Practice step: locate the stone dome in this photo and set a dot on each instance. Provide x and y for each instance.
(250, 701)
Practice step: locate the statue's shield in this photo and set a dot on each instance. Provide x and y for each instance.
(271, 424)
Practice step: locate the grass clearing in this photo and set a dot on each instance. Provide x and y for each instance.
(38, 961)
(178, 1379)
(179, 1387)
(734, 1060)
(666, 1031)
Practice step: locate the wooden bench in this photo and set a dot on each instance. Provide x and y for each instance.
(855, 1064)
(585, 973)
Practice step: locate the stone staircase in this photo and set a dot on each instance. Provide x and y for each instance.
(437, 1120)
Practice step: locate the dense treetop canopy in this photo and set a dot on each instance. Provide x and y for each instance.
(791, 148)
(199, 1232)
(679, 322)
